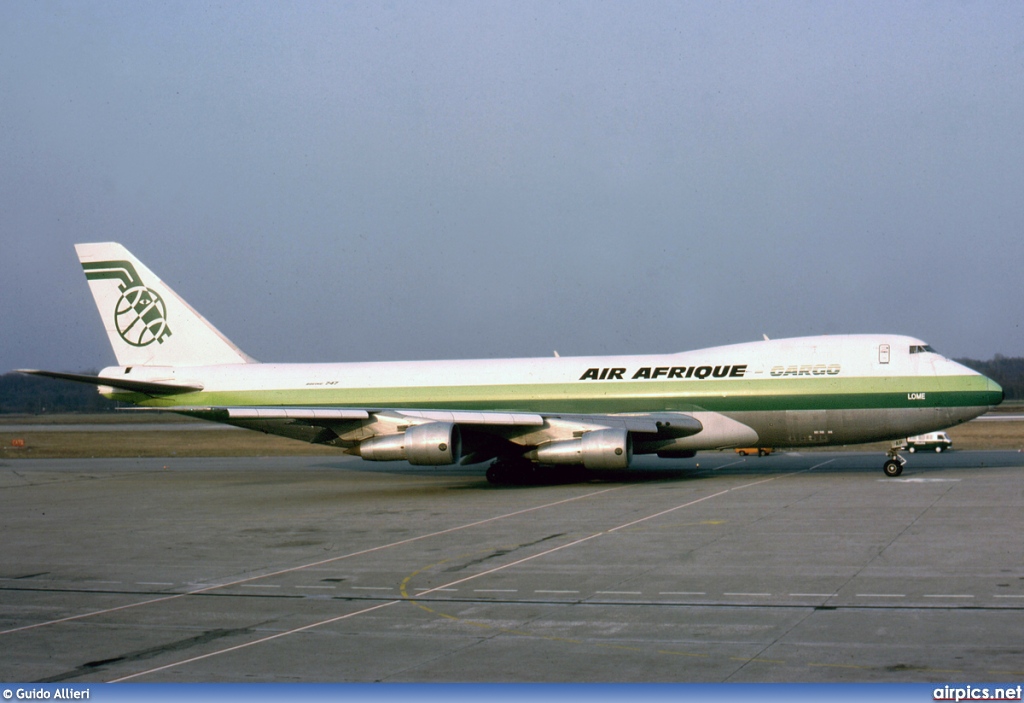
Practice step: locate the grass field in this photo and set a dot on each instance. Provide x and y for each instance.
(193, 442)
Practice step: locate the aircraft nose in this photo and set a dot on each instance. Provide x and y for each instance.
(996, 392)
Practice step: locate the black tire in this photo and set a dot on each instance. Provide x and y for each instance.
(761, 452)
(495, 475)
(513, 472)
(892, 468)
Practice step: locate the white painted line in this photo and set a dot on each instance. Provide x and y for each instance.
(304, 628)
(154, 583)
(746, 594)
(682, 593)
(619, 593)
(943, 595)
(372, 588)
(203, 587)
(813, 595)
(495, 590)
(731, 463)
(487, 572)
(881, 595)
(540, 590)
(431, 590)
(998, 596)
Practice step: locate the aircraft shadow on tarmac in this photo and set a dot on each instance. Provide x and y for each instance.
(712, 464)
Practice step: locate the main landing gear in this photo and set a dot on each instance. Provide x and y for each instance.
(893, 466)
(523, 472)
(514, 471)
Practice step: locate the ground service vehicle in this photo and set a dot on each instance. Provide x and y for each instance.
(939, 441)
(760, 451)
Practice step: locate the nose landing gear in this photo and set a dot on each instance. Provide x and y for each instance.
(893, 466)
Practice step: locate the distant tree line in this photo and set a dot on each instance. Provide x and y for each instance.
(30, 394)
(1008, 372)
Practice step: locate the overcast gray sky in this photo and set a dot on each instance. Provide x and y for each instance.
(357, 181)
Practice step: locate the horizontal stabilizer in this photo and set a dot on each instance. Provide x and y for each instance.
(124, 384)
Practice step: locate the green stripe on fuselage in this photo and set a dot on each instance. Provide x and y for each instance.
(738, 395)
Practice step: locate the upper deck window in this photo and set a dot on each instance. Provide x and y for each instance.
(920, 348)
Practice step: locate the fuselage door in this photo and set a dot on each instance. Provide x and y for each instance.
(883, 353)
(805, 427)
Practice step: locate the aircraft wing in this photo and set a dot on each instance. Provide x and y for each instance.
(153, 388)
(485, 434)
(666, 423)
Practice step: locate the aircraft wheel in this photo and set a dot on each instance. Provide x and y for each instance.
(912, 449)
(892, 468)
(495, 475)
(512, 472)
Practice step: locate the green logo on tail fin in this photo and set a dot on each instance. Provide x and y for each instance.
(140, 314)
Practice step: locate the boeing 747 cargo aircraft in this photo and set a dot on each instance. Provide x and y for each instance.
(528, 415)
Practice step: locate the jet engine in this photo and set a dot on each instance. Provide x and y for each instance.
(430, 444)
(597, 449)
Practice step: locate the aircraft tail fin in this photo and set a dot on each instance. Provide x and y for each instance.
(147, 322)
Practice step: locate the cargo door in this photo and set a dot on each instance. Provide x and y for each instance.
(805, 427)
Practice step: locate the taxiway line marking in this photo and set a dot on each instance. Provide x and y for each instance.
(731, 463)
(619, 593)
(211, 587)
(259, 641)
(682, 593)
(447, 586)
(760, 595)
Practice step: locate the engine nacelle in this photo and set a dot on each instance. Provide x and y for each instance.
(598, 449)
(431, 444)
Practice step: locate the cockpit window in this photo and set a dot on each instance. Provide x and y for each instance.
(920, 349)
